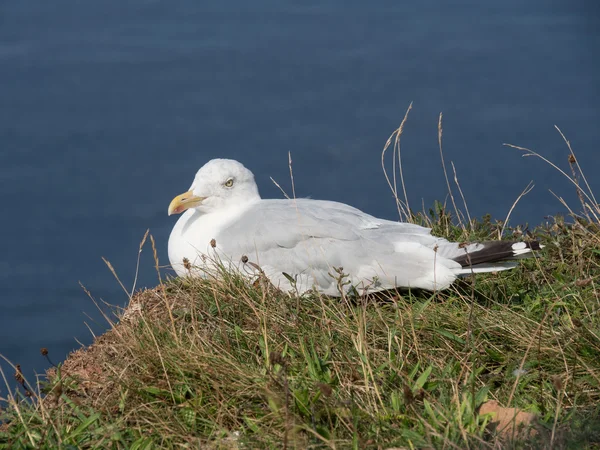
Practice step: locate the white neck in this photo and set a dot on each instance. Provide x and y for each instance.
(200, 228)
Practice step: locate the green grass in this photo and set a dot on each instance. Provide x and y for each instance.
(224, 364)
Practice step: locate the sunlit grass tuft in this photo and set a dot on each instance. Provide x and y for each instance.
(223, 363)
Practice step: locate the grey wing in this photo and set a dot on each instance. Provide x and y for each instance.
(285, 224)
(307, 238)
(303, 239)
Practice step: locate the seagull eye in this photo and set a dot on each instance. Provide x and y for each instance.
(229, 182)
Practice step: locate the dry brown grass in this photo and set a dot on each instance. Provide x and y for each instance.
(222, 362)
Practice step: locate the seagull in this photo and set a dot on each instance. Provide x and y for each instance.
(303, 245)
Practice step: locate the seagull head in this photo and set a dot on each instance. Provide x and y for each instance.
(220, 183)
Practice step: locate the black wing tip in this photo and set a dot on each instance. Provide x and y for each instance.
(534, 245)
(495, 251)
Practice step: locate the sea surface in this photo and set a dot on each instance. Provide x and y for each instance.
(108, 108)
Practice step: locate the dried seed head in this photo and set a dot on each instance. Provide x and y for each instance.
(557, 383)
(213, 243)
(463, 244)
(408, 395)
(325, 389)
(339, 270)
(19, 374)
(276, 358)
(44, 352)
(244, 259)
(186, 264)
(572, 159)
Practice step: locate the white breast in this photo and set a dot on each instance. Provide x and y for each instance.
(192, 235)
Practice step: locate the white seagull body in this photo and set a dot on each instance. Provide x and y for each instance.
(307, 244)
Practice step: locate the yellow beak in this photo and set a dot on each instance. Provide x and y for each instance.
(184, 201)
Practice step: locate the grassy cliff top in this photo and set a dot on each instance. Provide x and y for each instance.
(225, 364)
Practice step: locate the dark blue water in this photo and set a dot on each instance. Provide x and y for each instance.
(108, 108)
